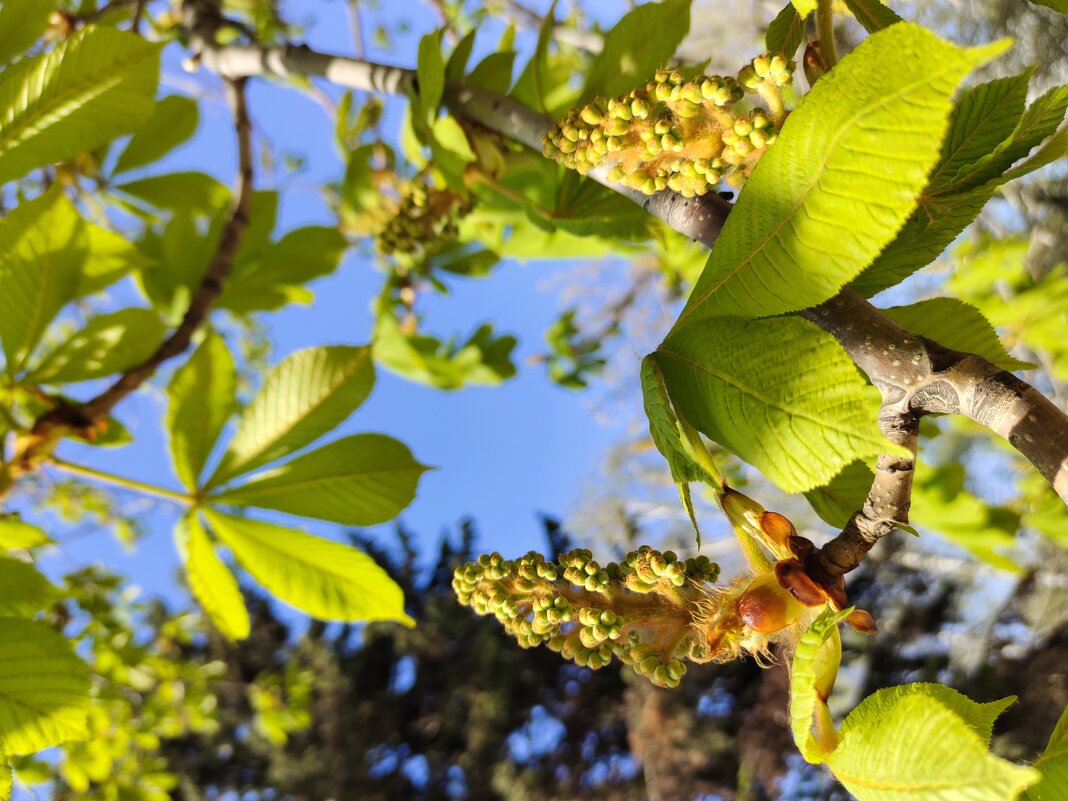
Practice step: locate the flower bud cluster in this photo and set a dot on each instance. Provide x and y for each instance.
(426, 219)
(674, 133)
(640, 610)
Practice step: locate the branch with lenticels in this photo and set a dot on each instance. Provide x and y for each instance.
(915, 376)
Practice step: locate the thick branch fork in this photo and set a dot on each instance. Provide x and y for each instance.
(915, 376)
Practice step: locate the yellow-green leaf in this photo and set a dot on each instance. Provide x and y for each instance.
(15, 533)
(23, 589)
(211, 581)
(326, 579)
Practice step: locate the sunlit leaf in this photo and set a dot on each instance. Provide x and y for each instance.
(23, 589)
(212, 583)
(326, 579)
(173, 122)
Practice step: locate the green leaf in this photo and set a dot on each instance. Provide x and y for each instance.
(979, 717)
(457, 64)
(493, 73)
(200, 399)
(23, 590)
(531, 86)
(44, 688)
(670, 438)
(430, 71)
(812, 676)
(641, 42)
(780, 393)
(804, 7)
(843, 496)
(901, 746)
(450, 135)
(15, 533)
(482, 358)
(179, 190)
(304, 397)
(173, 122)
(957, 325)
(815, 212)
(1053, 765)
(984, 117)
(277, 276)
(109, 343)
(211, 581)
(1056, 5)
(786, 32)
(949, 208)
(94, 86)
(326, 579)
(359, 480)
(6, 780)
(50, 256)
(21, 24)
(872, 14)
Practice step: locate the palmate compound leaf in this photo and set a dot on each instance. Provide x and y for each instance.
(840, 182)
(1053, 765)
(924, 741)
(359, 480)
(44, 688)
(326, 579)
(200, 399)
(812, 674)
(957, 325)
(305, 396)
(211, 581)
(671, 440)
(780, 393)
(94, 86)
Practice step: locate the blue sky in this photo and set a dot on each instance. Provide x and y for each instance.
(504, 454)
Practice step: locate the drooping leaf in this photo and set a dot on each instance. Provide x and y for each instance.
(1053, 766)
(780, 393)
(786, 32)
(173, 122)
(44, 688)
(843, 496)
(16, 533)
(872, 14)
(670, 438)
(304, 397)
(815, 213)
(900, 746)
(23, 589)
(21, 23)
(94, 86)
(326, 579)
(109, 343)
(50, 256)
(200, 399)
(812, 674)
(359, 480)
(211, 581)
(957, 325)
(641, 42)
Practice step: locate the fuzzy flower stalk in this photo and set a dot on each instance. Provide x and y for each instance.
(654, 611)
(675, 133)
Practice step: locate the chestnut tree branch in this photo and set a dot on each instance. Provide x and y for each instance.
(915, 376)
